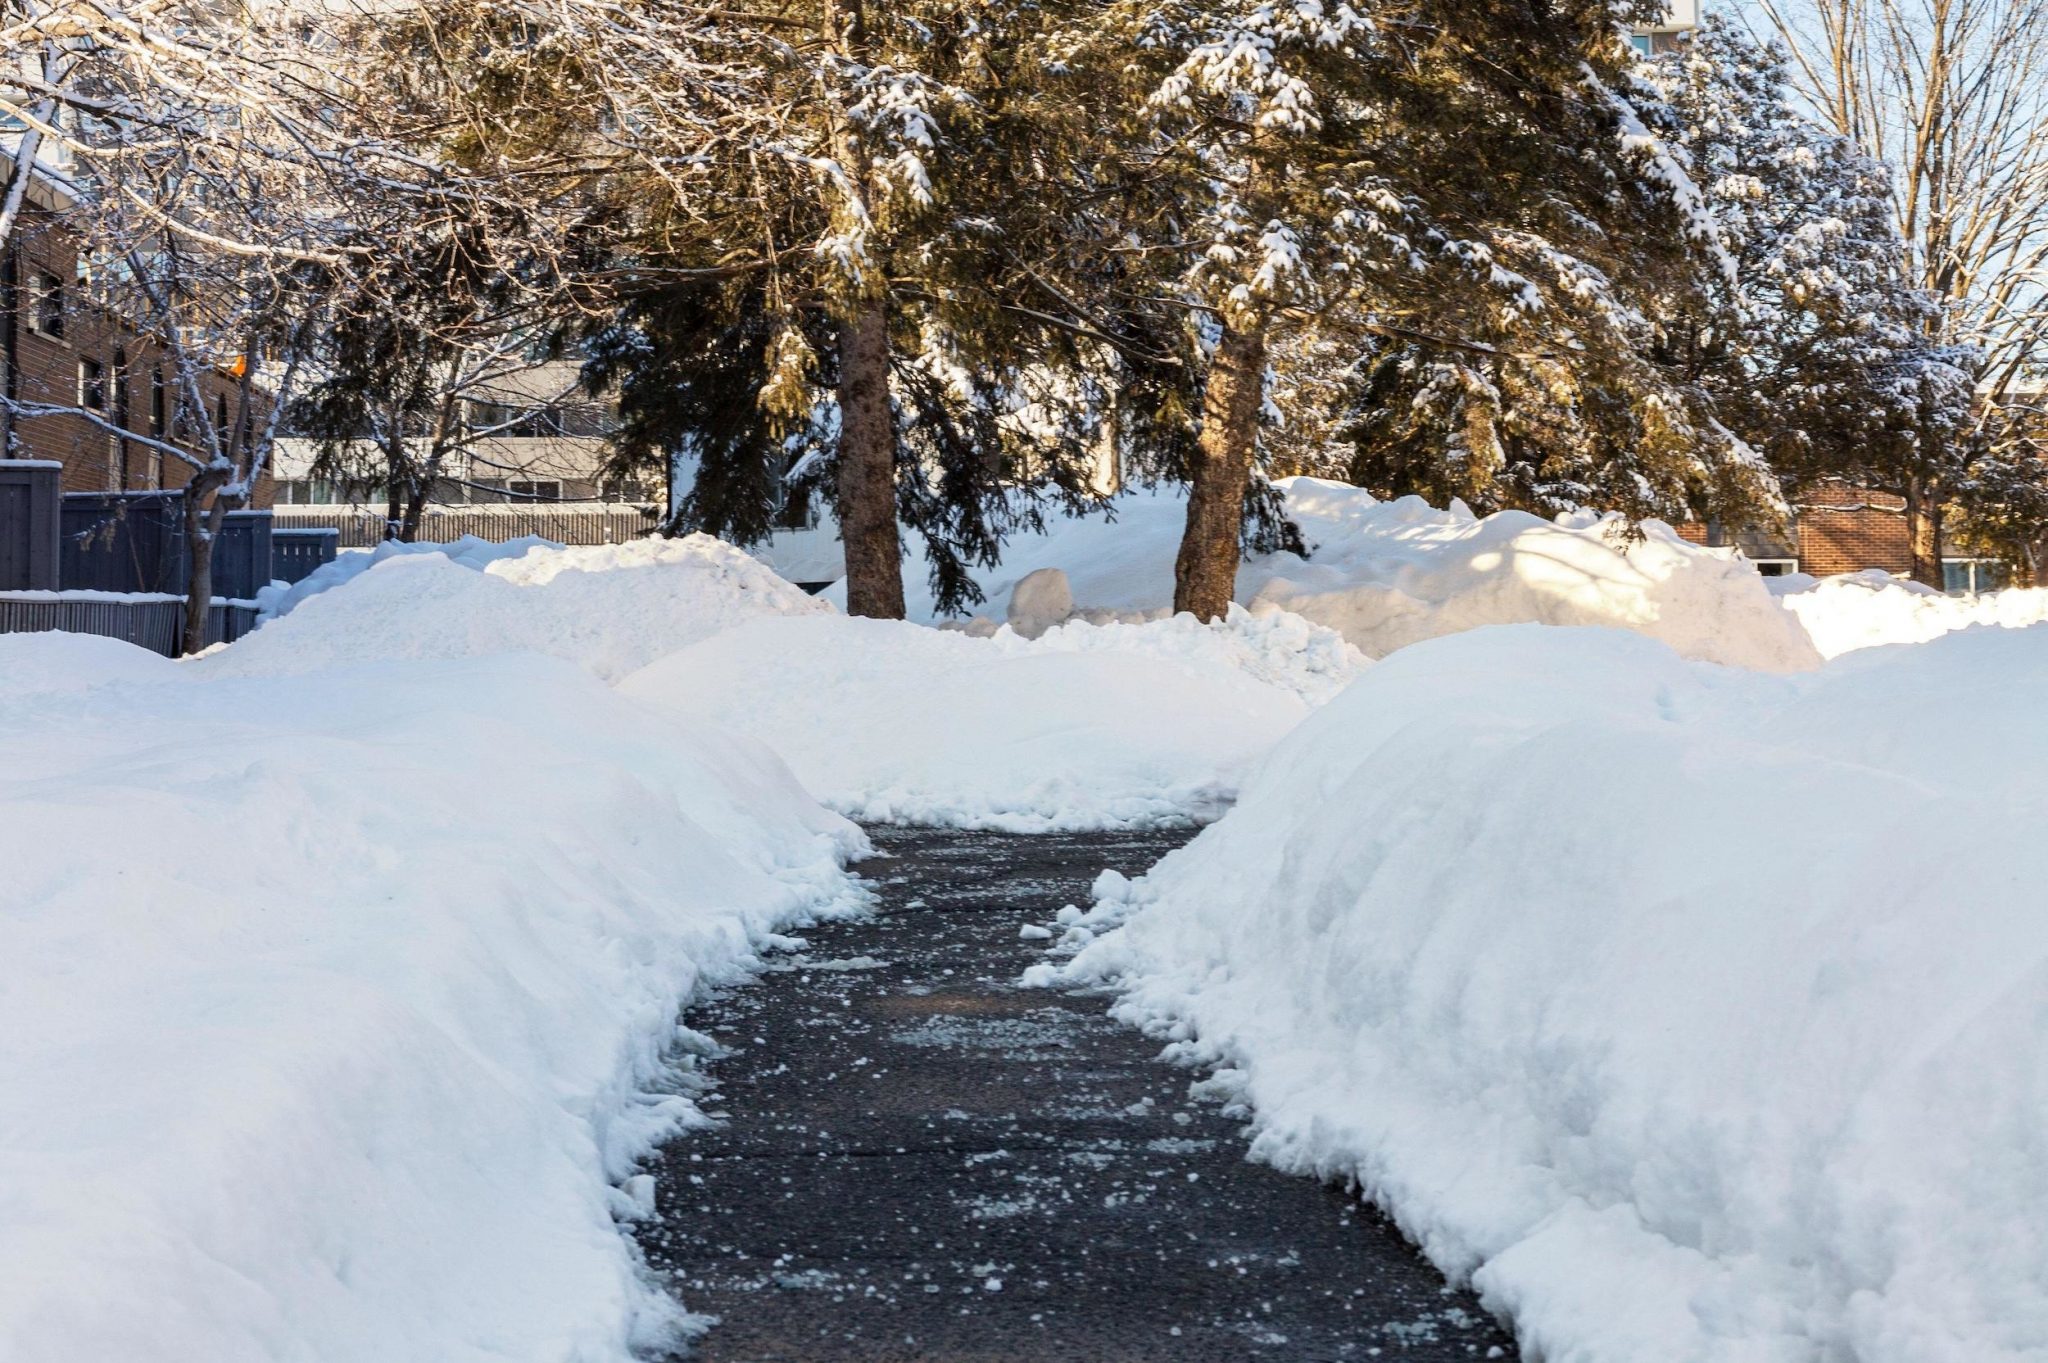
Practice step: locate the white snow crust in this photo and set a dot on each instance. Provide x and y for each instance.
(1390, 574)
(1873, 608)
(334, 1005)
(1696, 1014)
(611, 608)
(1082, 727)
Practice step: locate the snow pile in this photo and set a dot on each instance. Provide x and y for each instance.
(56, 661)
(280, 598)
(1084, 727)
(1868, 609)
(1390, 574)
(1697, 1014)
(611, 608)
(334, 1010)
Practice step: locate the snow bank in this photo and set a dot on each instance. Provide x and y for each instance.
(1869, 609)
(57, 661)
(1699, 1015)
(1084, 727)
(281, 598)
(1390, 574)
(611, 608)
(331, 1007)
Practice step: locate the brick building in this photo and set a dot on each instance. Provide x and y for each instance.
(58, 348)
(1840, 528)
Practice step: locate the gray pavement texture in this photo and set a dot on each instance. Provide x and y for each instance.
(920, 1161)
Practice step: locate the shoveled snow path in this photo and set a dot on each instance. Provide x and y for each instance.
(924, 1162)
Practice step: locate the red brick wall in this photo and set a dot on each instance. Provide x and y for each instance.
(1845, 530)
(48, 370)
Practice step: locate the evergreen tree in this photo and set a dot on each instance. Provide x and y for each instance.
(1822, 351)
(1476, 190)
(827, 222)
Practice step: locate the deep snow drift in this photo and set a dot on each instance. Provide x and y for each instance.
(330, 1004)
(611, 608)
(1870, 609)
(471, 552)
(1701, 1015)
(1084, 727)
(1124, 725)
(1389, 574)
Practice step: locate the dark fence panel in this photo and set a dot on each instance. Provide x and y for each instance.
(152, 622)
(241, 560)
(125, 542)
(29, 525)
(135, 542)
(296, 552)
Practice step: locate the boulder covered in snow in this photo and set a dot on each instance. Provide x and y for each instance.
(1042, 600)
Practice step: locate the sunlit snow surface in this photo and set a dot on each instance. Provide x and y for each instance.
(1697, 1013)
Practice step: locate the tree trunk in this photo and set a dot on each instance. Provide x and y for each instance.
(205, 513)
(417, 489)
(867, 468)
(1205, 572)
(415, 512)
(1923, 532)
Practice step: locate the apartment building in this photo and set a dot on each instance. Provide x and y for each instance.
(1680, 17)
(528, 437)
(59, 349)
(529, 459)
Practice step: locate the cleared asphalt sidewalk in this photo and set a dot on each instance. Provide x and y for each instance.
(922, 1161)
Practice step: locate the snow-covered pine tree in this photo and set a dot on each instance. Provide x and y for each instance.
(1478, 185)
(1823, 350)
(823, 216)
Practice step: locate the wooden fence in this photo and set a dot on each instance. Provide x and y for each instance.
(365, 527)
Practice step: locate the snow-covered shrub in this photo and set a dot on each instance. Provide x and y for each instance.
(280, 598)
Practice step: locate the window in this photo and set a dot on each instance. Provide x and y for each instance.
(305, 492)
(1642, 43)
(46, 304)
(159, 417)
(1970, 576)
(540, 491)
(220, 415)
(1776, 567)
(92, 385)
